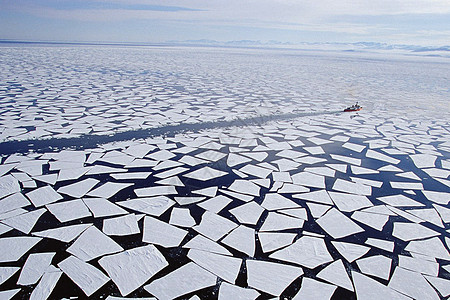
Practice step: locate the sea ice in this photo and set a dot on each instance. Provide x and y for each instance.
(215, 204)
(34, 267)
(248, 213)
(399, 200)
(350, 251)
(120, 226)
(69, 210)
(337, 224)
(369, 289)
(381, 244)
(277, 222)
(43, 195)
(78, 189)
(8, 185)
(228, 291)
(412, 284)
(309, 179)
(160, 233)
(199, 242)
(214, 226)
(274, 201)
(376, 221)
(102, 207)
(155, 191)
(335, 273)
(313, 289)
(154, 206)
(108, 189)
(423, 266)
(205, 174)
(412, 231)
(65, 234)
(378, 266)
(225, 267)
(271, 241)
(432, 247)
(46, 285)
(242, 239)
(349, 202)
(351, 187)
(25, 222)
(181, 217)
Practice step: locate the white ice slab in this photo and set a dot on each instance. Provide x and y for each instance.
(121, 226)
(423, 160)
(236, 159)
(381, 244)
(25, 222)
(444, 212)
(335, 273)
(205, 174)
(352, 187)
(260, 275)
(245, 187)
(108, 189)
(337, 224)
(8, 185)
(441, 284)
(416, 264)
(378, 266)
(376, 221)
(289, 188)
(320, 196)
(432, 247)
(215, 204)
(300, 213)
(346, 159)
(271, 241)
(208, 192)
(406, 185)
(7, 272)
(437, 197)
(188, 200)
(199, 242)
(428, 215)
(34, 267)
(307, 251)
(349, 202)
(131, 175)
(86, 276)
(399, 201)
(225, 267)
(155, 191)
(92, 243)
(102, 207)
(368, 289)
(214, 226)
(278, 222)
(274, 201)
(65, 234)
(242, 239)
(160, 233)
(69, 210)
(412, 284)
(412, 231)
(184, 280)
(14, 248)
(46, 285)
(228, 291)
(350, 251)
(78, 189)
(154, 206)
(132, 268)
(382, 157)
(181, 217)
(354, 147)
(13, 202)
(313, 289)
(43, 195)
(309, 179)
(248, 213)
(338, 167)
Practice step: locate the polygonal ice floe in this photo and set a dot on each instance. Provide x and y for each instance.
(350, 251)
(160, 233)
(215, 204)
(46, 285)
(300, 213)
(65, 234)
(337, 224)
(376, 221)
(441, 284)
(432, 247)
(320, 196)
(69, 210)
(352, 187)
(208, 192)
(244, 187)
(8, 185)
(346, 159)
(131, 175)
(381, 244)
(154, 206)
(378, 266)
(7, 272)
(235, 159)
(8, 294)
(277, 222)
(25, 222)
(108, 189)
(92, 243)
(423, 160)
(412, 284)
(12, 202)
(132, 268)
(188, 278)
(444, 212)
(181, 217)
(86, 276)
(335, 273)
(200, 242)
(242, 239)
(313, 289)
(406, 185)
(248, 213)
(420, 265)
(309, 179)
(225, 267)
(120, 226)
(78, 189)
(412, 231)
(14, 248)
(229, 291)
(274, 201)
(34, 267)
(102, 207)
(260, 275)
(427, 214)
(171, 172)
(155, 191)
(43, 195)
(399, 200)
(205, 174)
(188, 200)
(214, 226)
(271, 241)
(307, 251)
(368, 288)
(437, 197)
(349, 202)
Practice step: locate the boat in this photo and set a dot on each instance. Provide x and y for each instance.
(354, 107)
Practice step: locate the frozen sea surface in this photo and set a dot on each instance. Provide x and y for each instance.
(329, 205)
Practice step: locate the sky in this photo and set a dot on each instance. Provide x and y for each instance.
(411, 22)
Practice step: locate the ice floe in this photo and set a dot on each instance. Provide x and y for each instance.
(153, 228)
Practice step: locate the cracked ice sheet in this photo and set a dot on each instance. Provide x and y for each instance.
(108, 189)
(102, 207)
(214, 226)
(120, 226)
(335, 273)
(412, 231)
(423, 266)
(248, 213)
(205, 174)
(132, 268)
(69, 210)
(277, 222)
(271, 241)
(154, 206)
(12, 202)
(412, 284)
(368, 289)
(228, 291)
(92, 243)
(350, 251)
(225, 267)
(352, 187)
(260, 275)
(399, 200)
(215, 204)
(307, 251)
(43, 195)
(78, 189)
(86, 276)
(200, 242)
(313, 289)
(25, 222)
(14, 248)
(378, 266)
(46, 285)
(155, 191)
(349, 202)
(8, 185)
(181, 217)
(337, 224)
(274, 201)
(188, 278)
(65, 234)
(160, 233)
(432, 247)
(7, 272)
(242, 239)
(34, 267)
